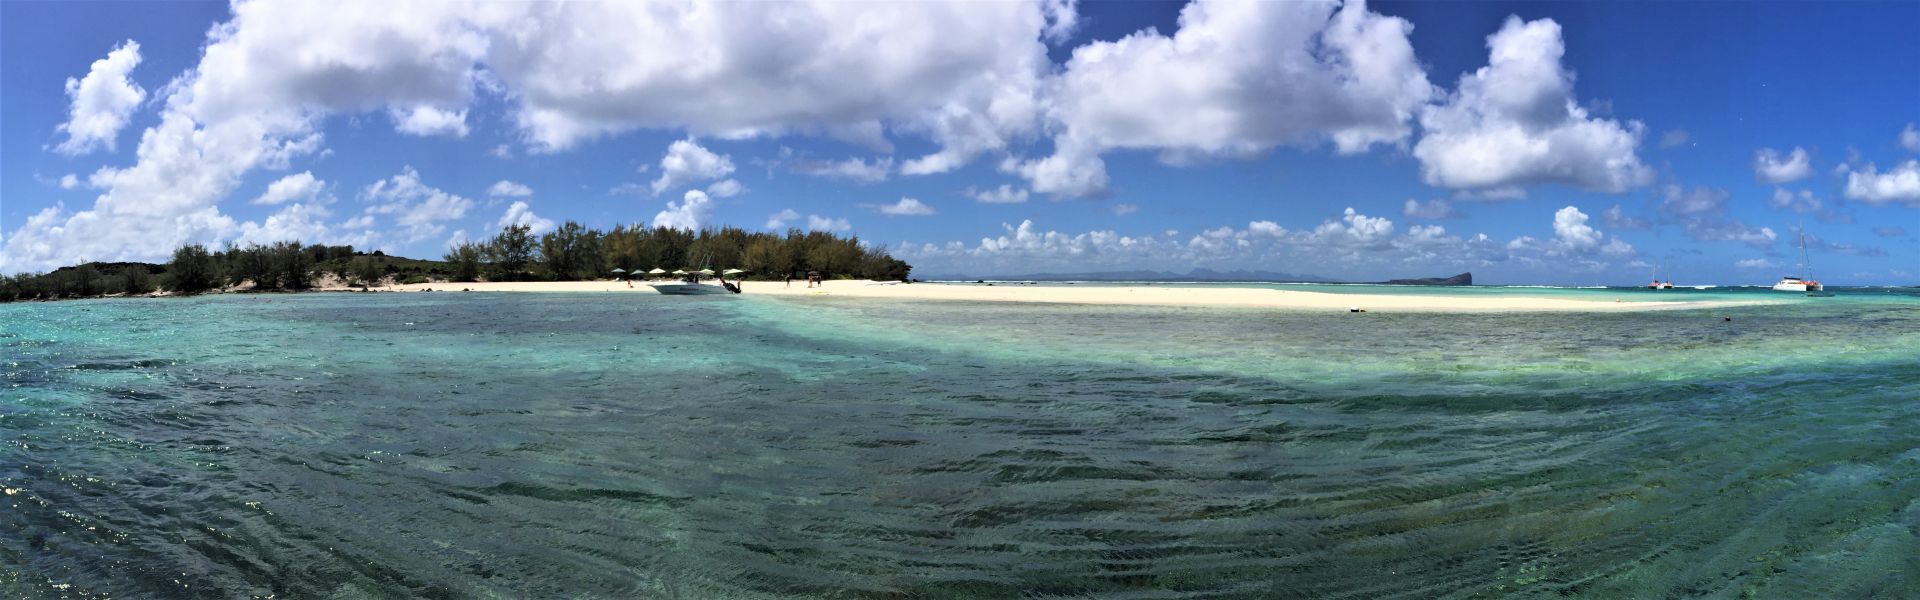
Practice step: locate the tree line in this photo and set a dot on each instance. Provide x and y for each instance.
(574, 252)
(570, 252)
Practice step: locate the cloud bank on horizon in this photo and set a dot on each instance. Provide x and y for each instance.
(966, 94)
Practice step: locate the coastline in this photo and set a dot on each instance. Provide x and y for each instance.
(1155, 295)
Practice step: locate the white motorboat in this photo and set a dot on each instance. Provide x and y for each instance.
(683, 288)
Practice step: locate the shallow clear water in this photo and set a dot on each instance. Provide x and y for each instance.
(630, 445)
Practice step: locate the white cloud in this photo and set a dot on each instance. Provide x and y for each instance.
(1266, 228)
(1005, 194)
(69, 181)
(687, 163)
(298, 221)
(1344, 247)
(1770, 167)
(1703, 213)
(415, 205)
(102, 102)
(691, 213)
(509, 189)
(905, 207)
(425, 120)
(1675, 138)
(1515, 122)
(298, 186)
(520, 214)
(852, 169)
(1354, 227)
(1755, 263)
(726, 188)
(779, 220)
(1617, 218)
(1800, 202)
(1236, 78)
(1431, 209)
(1910, 138)
(1121, 209)
(1570, 227)
(819, 223)
(1899, 184)
(264, 80)
(964, 73)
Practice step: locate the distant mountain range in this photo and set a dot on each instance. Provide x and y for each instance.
(1206, 275)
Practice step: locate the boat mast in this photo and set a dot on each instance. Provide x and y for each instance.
(1805, 271)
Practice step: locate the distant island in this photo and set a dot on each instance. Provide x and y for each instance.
(1204, 275)
(1461, 279)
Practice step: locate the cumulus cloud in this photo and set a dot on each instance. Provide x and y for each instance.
(1355, 228)
(905, 207)
(780, 219)
(819, 223)
(1770, 167)
(1005, 194)
(687, 163)
(1617, 218)
(69, 181)
(1900, 184)
(102, 102)
(964, 73)
(1910, 138)
(1702, 211)
(1236, 78)
(521, 214)
(1351, 243)
(425, 120)
(1431, 209)
(1800, 202)
(414, 205)
(1124, 208)
(298, 186)
(690, 213)
(852, 169)
(265, 79)
(1514, 122)
(509, 189)
(727, 188)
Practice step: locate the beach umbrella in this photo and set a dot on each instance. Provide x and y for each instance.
(706, 271)
(619, 270)
(732, 272)
(679, 272)
(657, 271)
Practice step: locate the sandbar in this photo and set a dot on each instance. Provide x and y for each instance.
(1146, 295)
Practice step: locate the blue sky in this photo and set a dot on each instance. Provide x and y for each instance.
(1565, 143)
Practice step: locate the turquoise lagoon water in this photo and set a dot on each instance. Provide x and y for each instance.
(632, 445)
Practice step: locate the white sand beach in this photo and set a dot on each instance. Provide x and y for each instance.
(1156, 295)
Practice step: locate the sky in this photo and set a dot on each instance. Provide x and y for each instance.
(1566, 143)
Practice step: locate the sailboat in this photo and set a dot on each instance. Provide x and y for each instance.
(1792, 283)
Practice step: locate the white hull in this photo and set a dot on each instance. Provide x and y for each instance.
(1797, 286)
(688, 289)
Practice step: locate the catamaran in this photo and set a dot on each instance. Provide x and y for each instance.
(1792, 283)
(1657, 283)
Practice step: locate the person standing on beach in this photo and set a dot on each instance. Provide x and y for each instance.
(789, 278)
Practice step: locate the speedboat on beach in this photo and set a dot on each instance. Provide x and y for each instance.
(684, 288)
